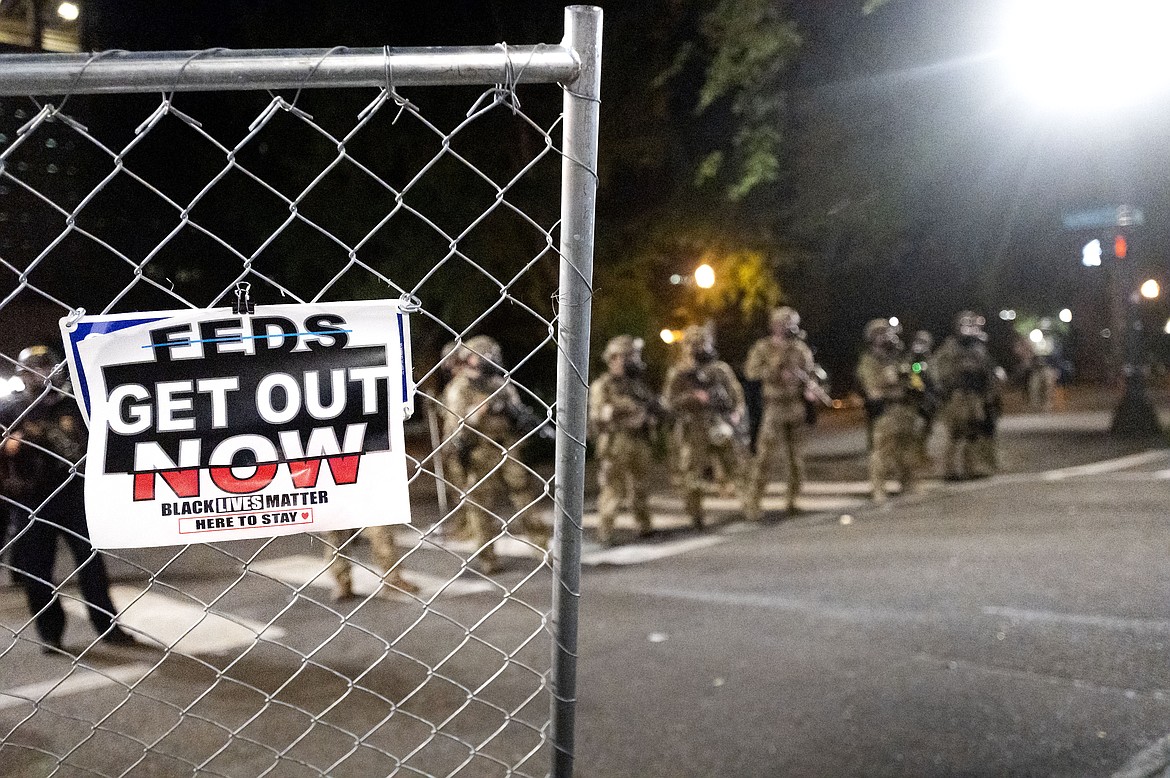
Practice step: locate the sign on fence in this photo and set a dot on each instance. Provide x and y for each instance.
(206, 425)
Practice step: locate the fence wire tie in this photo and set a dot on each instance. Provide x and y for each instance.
(409, 303)
(390, 91)
(74, 316)
(33, 123)
(505, 92)
(313, 71)
(158, 113)
(278, 103)
(170, 93)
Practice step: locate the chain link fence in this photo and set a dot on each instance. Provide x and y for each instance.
(450, 178)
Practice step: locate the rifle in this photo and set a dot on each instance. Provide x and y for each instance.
(813, 385)
(522, 417)
(721, 404)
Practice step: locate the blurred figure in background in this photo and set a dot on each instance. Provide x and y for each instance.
(968, 382)
(706, 402)
(44, 440)
(487, 420)
(1043, 366)
(783, 364)
(895, 393)
(623, 413)
(339, 550)
(921, 361)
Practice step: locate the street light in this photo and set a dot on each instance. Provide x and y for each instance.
(1072, 54)
(1090, 58)
(704, 276)
(68, 11)
(1150, 289)
(1065, 315)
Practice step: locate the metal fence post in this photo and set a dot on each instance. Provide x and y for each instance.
(578, 197)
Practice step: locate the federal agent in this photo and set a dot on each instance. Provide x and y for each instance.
(488, 420)
(783, 363)
(44, 439)
(968, 383)
(623, 413)
(894, 392)
(386, 557)
(921, 363)
(706, 402)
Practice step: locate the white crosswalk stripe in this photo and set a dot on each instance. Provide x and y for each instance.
(178, 624)
(155, 620)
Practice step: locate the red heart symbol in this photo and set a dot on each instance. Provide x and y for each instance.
(304, 514)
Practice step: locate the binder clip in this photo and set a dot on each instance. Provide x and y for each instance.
(243, 304)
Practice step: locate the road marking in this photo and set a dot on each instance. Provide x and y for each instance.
(814, 608)
(175, 624)
(503, 546)
(180, 625)
(1107, 465)
(806, 503)
(80, 679)
(302, 569)
(1080, 619)
(637, 554)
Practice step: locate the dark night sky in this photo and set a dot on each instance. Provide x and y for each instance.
(976, 167)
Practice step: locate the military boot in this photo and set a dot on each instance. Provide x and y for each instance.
(396, 581)
(695, 507)
(342, 589)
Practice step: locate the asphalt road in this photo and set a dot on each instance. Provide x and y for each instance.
(1013, 626)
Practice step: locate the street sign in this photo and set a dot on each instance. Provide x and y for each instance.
(1108, 216)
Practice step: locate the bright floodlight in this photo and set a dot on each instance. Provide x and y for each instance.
(893, 321)
(1065, 315)
(1035, 336)
(667, 336)
(68, 11)
(1088, 54)
(705, 276)
(1150, 289)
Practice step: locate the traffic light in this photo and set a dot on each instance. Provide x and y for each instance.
(1120, 247)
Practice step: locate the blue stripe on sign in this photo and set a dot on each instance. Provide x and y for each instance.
(402, 353)
(239, 338)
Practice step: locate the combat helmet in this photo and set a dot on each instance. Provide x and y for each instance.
(40, 360)
(786, 318)
(922, 342)
(623, 345)
(485, 347)
(883, 333)
(875, 328)
(698, 342)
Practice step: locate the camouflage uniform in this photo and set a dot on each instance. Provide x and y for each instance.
(922, 356)
(706, 401)
(35, 460)
(1043, 372)
(622, 414)
(894, 391)
(967, 381)
(385, 556)
(485, 434)
(783, 363)
(456, 524)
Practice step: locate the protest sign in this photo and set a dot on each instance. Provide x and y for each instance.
(205, 425)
